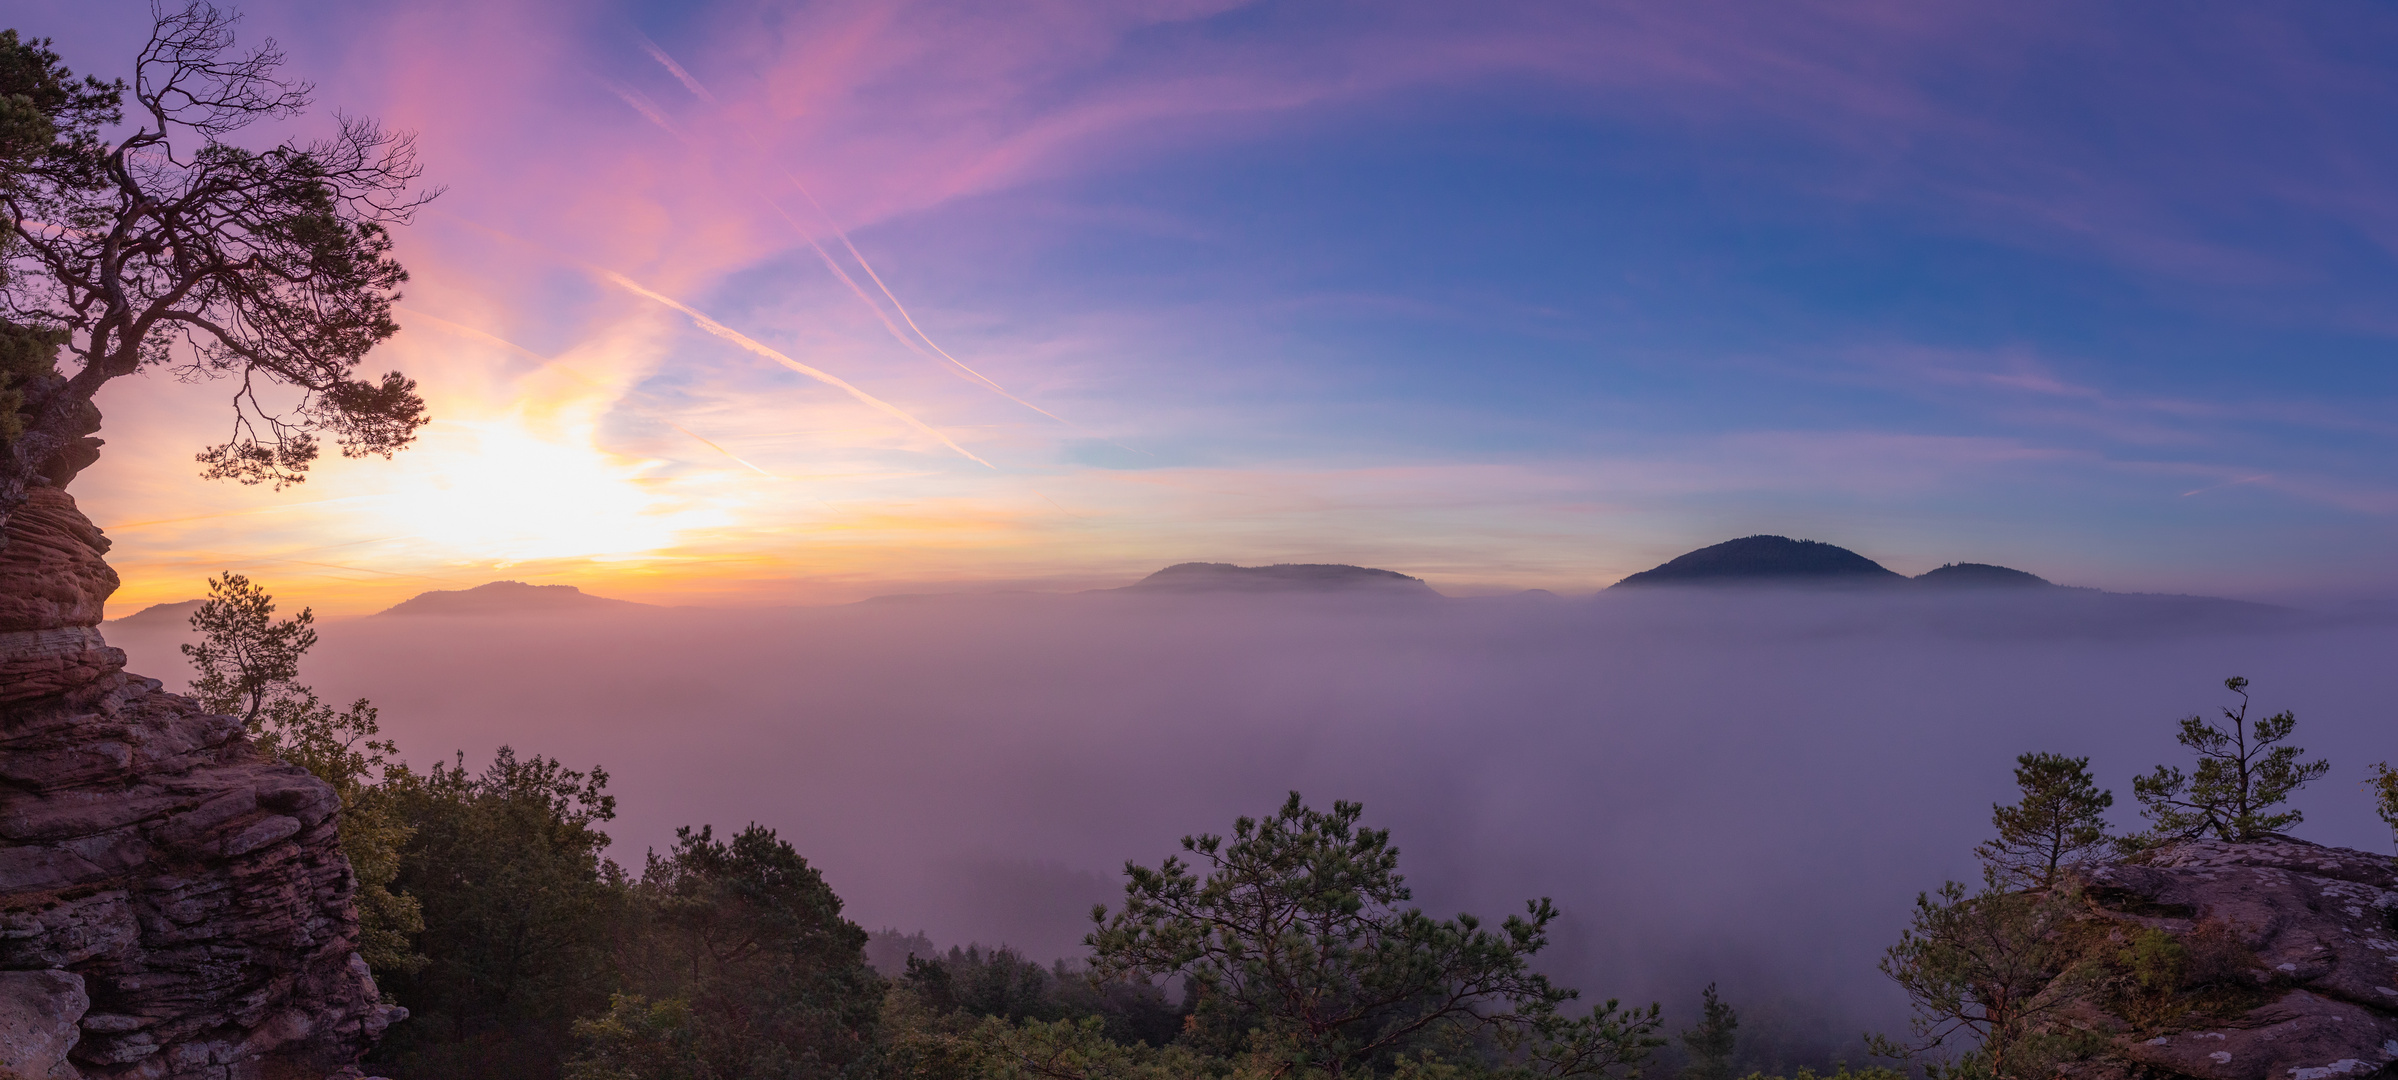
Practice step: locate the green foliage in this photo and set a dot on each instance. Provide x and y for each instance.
(520, 914)
(2154, 961)
(45, 112)
(248, 664)
(638, 1039)
(2061, 816)
(2158, 981)
(1839, 1072)
(1712, 1042)
(341, 749)
(1002, 983)
(2384, 786)
(245, 654)
(746, 944)
(26, 354)
(1995, 967)
(999, 983)
(1296, 949)
(2238, 780)
(924, 1044)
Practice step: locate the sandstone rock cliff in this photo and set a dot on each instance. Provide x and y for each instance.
(172, 902)
(2288, 964)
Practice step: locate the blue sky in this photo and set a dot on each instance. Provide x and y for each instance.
(1523, 296)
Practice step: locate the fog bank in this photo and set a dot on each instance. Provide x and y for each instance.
(1742, 788)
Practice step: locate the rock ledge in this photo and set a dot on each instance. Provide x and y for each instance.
(2316, 930)
(173, 904)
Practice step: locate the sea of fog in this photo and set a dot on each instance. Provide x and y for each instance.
(1746, 789)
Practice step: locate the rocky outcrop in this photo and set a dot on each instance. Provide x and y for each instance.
(53, 583)
(173, 904)
(2304, 943)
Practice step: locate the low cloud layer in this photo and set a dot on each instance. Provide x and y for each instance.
(1714, 787)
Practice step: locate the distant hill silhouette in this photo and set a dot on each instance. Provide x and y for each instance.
(177, 614)
(1767, 560)
(506, 598)
(1281, 577)
(1974, 575)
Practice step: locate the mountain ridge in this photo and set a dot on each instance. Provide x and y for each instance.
(505, 598)
(1766, 559)
(1197, 577)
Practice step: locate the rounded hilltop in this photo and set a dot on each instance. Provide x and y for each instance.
(1974, 575)
(506, 598)
(1280, 577)
(1780, 560)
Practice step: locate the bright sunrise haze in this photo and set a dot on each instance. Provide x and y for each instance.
(742, 303)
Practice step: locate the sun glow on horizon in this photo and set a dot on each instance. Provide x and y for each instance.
(496, 491)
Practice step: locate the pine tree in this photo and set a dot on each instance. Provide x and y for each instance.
(2237, 780)
(1712, 1042)
(2062, 815)
(2384, 787)
(1299, 950)
(1993, 967)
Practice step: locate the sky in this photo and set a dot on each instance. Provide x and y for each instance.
(776, 302)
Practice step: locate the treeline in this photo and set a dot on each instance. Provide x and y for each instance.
(491, 911)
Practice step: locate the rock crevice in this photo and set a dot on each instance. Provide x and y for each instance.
(2315, 931)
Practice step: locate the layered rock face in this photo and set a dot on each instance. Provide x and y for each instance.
(2311, 987)
(173, 903)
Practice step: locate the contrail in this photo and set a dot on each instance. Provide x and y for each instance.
(732, 335)
(689, 83)
(2228, 483)
(1053, 502)
(692, 84)
(760, 348)
(562, 366)
(902, 339)
(640, 103)
(721, 450)
(902, 308)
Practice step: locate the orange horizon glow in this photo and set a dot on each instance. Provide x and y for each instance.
(758, 312)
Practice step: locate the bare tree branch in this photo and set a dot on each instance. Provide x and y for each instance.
(172, 246)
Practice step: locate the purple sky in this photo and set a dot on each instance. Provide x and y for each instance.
(784, 302)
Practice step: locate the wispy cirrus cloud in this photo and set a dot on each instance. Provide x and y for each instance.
(857, 190)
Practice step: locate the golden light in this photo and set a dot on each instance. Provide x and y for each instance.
(499, 492)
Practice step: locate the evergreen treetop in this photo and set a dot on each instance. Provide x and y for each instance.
(2241, 777)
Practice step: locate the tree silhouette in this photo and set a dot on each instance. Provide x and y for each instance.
(1299, 949)
(174, 247)
(1712, 1041)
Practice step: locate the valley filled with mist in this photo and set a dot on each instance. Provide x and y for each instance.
(1745, 787)
(797, 410)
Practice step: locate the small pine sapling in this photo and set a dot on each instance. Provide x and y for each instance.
(2061, 817)
(1711, 1043)
(2384, 786)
